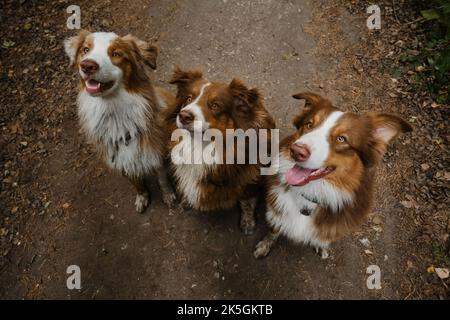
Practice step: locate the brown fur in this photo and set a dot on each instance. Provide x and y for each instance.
(136, 58)
(225, 106)
(366, 138)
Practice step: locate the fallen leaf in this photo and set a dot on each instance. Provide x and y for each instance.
(442, 273)
(8, 44)
(420, 68)
(66, 205)
(285, 56)
(430, 269)
(377, 229)
(447, 175)
(409, 204)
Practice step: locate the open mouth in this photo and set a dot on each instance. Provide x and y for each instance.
(298, 176)
(95, 87)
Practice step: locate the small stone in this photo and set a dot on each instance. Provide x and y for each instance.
(365, 242)
(425, 166)
(377, 220)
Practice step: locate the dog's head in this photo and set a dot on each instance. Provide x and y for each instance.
(333, 144)
(202, 104)
(106, 61)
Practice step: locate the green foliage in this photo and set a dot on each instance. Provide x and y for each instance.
(435, 56)
(439, 255)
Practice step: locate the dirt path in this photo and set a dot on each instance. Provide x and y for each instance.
(90, 220)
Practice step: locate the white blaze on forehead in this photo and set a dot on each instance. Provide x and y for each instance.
(317, 141)
(196, 110)
(99, 51)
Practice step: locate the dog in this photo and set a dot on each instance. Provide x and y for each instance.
(201, 105)
(323, 189)
(119, 109)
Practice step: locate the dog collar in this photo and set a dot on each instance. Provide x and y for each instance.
(305, 211)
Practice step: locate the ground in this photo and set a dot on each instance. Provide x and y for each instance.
(61, 206)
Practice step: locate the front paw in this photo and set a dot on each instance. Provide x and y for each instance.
(185, 206)
(142, 202)
(262, 249)
(248, 226)
(169, 199)
(322, 252)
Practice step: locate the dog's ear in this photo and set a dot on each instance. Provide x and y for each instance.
(385, 127)
(72, 45)
(244, 99)
(147, 52)
(312, 101)
(182, 77)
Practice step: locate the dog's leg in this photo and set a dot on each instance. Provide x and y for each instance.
(185, 206)
(143, 195)
(323, 251)
(248, 222)
(168, 196)
(263, 247)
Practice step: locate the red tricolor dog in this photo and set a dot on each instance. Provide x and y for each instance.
(118, 107)
(323, 189)
(202, 106)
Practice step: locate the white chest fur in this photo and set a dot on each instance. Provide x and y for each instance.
(292, 223)
(116, 122)
(190, 167)
(289, 204)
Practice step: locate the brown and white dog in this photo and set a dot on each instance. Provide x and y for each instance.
(118, 107)
(323, 189)
(202, 105)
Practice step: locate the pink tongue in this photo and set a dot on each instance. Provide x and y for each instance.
(93, 86)
(297, 176)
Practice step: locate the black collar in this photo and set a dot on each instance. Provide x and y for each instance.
(305, 211)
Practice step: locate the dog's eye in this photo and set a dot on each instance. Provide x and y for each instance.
(340, 139)
(189, 99)
(115, 54)
(215, 107)
(309, 124)
(85, 50)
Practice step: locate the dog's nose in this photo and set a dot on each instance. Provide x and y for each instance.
(89, 67)
(186, 117)
(300, 152)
